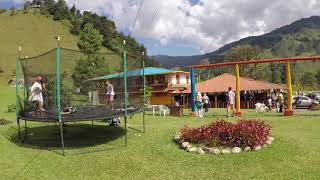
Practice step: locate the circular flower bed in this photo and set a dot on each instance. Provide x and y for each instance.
(221, 137)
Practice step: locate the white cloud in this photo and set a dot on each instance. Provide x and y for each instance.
(207, 25)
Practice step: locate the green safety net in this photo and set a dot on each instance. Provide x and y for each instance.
(80, 84)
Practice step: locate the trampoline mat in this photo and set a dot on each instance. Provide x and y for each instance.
(81, 113)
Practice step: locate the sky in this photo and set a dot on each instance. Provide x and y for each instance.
(190, 27)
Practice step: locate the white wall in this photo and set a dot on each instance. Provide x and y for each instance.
(172, 78)
(183, 79)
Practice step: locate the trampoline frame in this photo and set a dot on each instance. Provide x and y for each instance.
(58, 105)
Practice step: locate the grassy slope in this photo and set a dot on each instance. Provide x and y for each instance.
(294, 155)
(36, 34)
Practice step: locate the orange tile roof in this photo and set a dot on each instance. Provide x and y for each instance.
(223, 82)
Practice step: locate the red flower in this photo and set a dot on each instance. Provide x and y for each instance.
(241, 134)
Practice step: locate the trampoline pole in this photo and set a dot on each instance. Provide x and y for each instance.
(19, 131)
(125, 90)
(62, 139)
(17, 93)
(25, 126)
(144, 92)
(125, 129)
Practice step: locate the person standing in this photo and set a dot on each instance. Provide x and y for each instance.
(280, 101)
(36, 93)
(269, 104)
(275, 100)
(109, 94)
(206, 102)
(199, 104)
(231, 96)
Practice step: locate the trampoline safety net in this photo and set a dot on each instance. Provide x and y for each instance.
(86, 86)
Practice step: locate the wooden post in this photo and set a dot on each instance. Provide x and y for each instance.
(215, 101)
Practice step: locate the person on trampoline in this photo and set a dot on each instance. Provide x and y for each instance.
(110, 94)
(231, 101)
(36, 93)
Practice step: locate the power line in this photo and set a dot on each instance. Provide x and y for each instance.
(135, 19)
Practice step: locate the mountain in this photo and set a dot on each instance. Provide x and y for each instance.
(300, 38)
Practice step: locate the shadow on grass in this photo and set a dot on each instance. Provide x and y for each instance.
(75, 136)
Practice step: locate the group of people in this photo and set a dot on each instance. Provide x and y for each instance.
(276, 100)
(204, 102)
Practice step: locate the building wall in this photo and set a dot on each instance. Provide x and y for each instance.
(164, 99)
(172, 78)
(183, 78)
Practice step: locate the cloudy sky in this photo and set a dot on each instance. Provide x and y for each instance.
(187, 27)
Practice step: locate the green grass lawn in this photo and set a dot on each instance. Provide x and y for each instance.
(98, 152)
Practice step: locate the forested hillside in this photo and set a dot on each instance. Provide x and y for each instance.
(35, 28)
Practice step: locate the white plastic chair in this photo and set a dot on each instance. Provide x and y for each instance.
(163, 110)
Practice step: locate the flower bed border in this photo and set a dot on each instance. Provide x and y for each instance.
(215, 150)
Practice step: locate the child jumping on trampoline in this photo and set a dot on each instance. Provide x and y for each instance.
(36, 93)
(109, 94)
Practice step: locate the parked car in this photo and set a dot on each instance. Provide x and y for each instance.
(314, 96)
(303, 102)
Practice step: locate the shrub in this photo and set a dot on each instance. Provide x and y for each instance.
(221, 133)
(250, 133)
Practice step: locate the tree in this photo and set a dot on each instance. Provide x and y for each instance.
(73, 11)
(36, 3)
(148, 93)
(89, 67)
(48, 7)
(308, 79)
(26, 6)
(62, 11)
(76, 26)
(90, 40)
(93, 64)
(78, 14)
(317, 76)
(275, 73)
(245, 52)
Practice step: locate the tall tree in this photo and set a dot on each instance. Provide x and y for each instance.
(73, 11)
(62, 11)
(93, 64)
(48, 6)
(90, 40)
(76, 26)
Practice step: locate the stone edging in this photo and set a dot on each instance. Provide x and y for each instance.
(211, 150)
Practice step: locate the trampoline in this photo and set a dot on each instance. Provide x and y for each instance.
(80, 113)
(71, 86)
